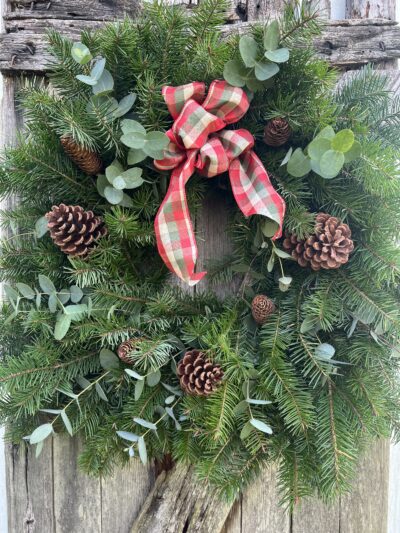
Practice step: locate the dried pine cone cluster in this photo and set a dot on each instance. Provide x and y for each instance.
(328, 248)
(74, 230)
(198, 375)
(277, 132)
(261, 308)
(83, 158)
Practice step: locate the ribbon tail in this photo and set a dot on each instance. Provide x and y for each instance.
(254, 192)
(173, 226)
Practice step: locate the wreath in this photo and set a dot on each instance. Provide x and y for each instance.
(299, 364)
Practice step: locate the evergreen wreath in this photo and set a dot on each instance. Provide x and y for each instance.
(300, 366)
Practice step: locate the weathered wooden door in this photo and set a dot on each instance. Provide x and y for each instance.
(50, 494)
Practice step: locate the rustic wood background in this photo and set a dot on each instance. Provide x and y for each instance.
(50, 495)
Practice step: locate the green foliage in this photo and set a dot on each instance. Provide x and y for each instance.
(308, 389)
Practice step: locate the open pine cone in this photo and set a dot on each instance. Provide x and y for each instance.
(85, 159)
(277, 132)
(198, 375)
(328, 248)
(261, 308)
(125, 350)
(74, 230)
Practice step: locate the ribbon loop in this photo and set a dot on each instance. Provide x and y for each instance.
(199, 141)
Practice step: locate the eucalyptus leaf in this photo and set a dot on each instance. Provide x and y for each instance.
(139, 386)
(169, 400)
(265, 71)
(271, 262)
(261, 426)
(52, 303)
(126, 201)
(81, 53)
(246, 430)
(255, 85)
(133, 178)
(136, 156)
(308, 324)
(119, 183)
(282, 253)
(343, 141)
(101, 393)
(75, 311)
(98, 69)
(39, 449)
(76, 294)
(41, 433)
(325, 351)
(145, 423)
(41, 227)
(269, 227)
(258, 402)
(101, 183)
(271, 36)
(235, 73)
(154, 378)
(135, 140)
(133, 374)
(331, 164)
(114, 170)
(353, 153)
(327, 133)
(281, 55)
(132, 126)
(86, 79)
(26, 291)
(318, 147)
(125, 105)
(284, 283)
(287, 157)
(46, 284)
(108, 359)
(127, 435)
(62, 326)
(114, 196)
(157, 140)
(67, 423)
(248, 48)
(142, 450)
(105, 84)
(299, 165)
(64, 295)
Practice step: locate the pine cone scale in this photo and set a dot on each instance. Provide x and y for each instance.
(198, 375)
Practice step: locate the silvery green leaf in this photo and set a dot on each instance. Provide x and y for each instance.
(108, 359)
(62, 326)
(318, 147)
(353, 153)
(86, 79)
(308, 324)
(83, 382)
(261, 426)
(11, 293)
(246, 430)
(265, 71)
(258, 402)
(119, 183)
(51, 411)
(352, 327)
(331, 164)
(174, 390)
(284, 283)
(170, 413)
(157, 140)
(282, 254)
(98, 69)
(145, 423)
(298, 165)
(81, 53)
(281, 55)
(325, 351)
(67, 423)
(132, 126)
(114, 170)
(41, 227)
(68, 393)
(235, 73)
(142, 450)
(248, 48)
(39, 449)
(76, 294)
(327, 133)
(169, 400)
(101, 183)
(154, 378)
(131, 451)
(154, 153)
(75, 310)
(240, 408)
(133, 178)
(287, 157)
(135, 139)
(127, 435)
(139, 386)
(105, 84)
(343, 140)
(26, 291)
(101, 393)
(46, 284)
(64, 295)
(38, 299)
(269, 227)
(271, 36)
(114, 196)
(126, 201)
(270, 264)
(135, 156)
(125, 105)
(52, 303)
(41, 433)
(254, 84)
(133, 374)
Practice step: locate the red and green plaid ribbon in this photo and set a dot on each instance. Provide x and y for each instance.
(199, 142)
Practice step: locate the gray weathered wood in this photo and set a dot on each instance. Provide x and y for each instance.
(72, 9)
(364, 9)
(345, 43)
(365, 508)
(313, 516)
(179, 502)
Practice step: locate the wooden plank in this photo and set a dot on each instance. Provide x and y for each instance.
(262, 9)
(72, 9)
(122, 496)
(77, 497)
(394, 489)
(364, 9)
(313, 516)
(365, 509)
(345, 43)
(260, 506)
(3, 484)
(233, 523)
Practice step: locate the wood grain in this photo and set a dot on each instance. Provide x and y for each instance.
(364, 9)
(313, 516)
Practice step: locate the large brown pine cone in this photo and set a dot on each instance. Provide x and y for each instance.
(277, 132)
(261, 308)
(328, 248)
(74, 230)
(83, 158)
(198, 375)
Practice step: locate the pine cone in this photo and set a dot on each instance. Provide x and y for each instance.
(125, 350)
(198, 375)
(277, 132)
(261, 308)
(74, 230)
(328, 248)
(83, 158)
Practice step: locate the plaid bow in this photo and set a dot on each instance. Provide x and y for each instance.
(199, 143)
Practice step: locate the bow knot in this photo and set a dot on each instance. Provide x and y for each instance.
(198, 141)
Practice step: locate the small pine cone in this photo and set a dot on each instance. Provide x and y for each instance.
(261, 308)
(125, 350)
(198, 375)
(277, 132)
(328, 248)
(83, 158)
(74, 230)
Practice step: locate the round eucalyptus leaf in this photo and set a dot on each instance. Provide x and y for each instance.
(353, 153)
(299, 165)
(343, 141)
(86, 79)
(134, 139)
(248, 48)
(327, 133)
(331, 164)
(136, 156)
(114, 196)
(157, 140)
(62, 326)
(81, 53)
(125, 105)
(76, 294)
(119, 183)
(26, 291)
(101, 184)
(41, 433)
(281, 55)
(105, 83)
(271, 36)
(325, 350)
(269, 227)
(132, 126)
(41, 227)
(234, 73)
(264, 70)
(318, 147)
(98, 69)
(255, 85)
